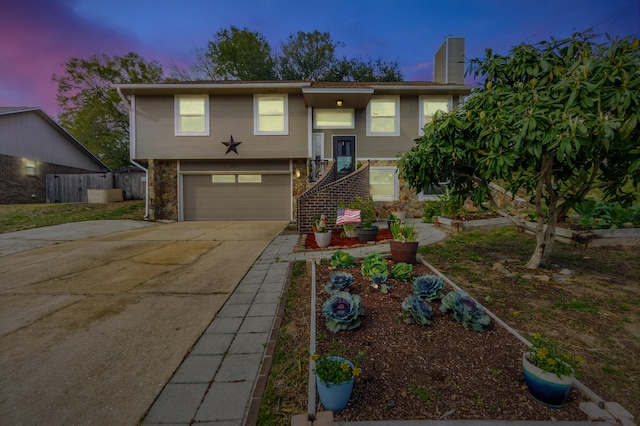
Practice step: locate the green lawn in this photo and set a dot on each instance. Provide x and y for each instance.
(18, 217)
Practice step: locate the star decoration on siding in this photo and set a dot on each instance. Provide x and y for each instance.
(231, 145)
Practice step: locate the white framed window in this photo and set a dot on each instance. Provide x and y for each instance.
(429, 105)
(433, 191)
(383, 116)
(192, 115)
(30, 167)
(384, 184)
(334, 118)
(270, 114)
(249, 178)
(223, 179)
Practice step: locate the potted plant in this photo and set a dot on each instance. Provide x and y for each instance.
(367, 231)
(549, 371)
(334, 379)
(399, 214)
(392, 218)
(321, 232)
(404, 246)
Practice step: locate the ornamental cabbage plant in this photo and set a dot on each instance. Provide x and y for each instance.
(342, 311)
(466, 310)
(374, 264)
(402, 271)
(419, 311)
(379, 282)
(429, 287)
(341, 259)
(338, 281)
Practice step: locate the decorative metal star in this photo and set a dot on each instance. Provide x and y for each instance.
(231, 145)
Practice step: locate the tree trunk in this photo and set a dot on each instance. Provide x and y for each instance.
(545, 235)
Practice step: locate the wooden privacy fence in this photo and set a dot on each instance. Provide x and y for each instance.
(72, 188)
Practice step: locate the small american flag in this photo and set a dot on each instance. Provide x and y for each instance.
(347, 216)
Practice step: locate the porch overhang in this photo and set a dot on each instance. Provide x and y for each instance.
(356, 98)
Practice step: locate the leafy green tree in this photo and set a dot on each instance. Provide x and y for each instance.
(307, 56)
(236, 54)
(555, 120)
(92, 110)
(356, 69)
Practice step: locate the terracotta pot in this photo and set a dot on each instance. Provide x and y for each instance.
(404, 251)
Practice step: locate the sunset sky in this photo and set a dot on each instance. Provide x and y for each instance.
(38, 36)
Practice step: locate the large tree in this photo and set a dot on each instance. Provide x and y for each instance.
(555, 120)
(307, 56)
(357, 69)
(236, 54)
(92, 110)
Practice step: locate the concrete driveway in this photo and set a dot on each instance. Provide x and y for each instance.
(93, 323)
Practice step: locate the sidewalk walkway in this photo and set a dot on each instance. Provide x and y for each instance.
(220, 382)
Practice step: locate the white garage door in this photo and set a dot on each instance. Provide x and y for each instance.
(237, 197)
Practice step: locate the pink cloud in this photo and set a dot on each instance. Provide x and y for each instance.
(36, 38)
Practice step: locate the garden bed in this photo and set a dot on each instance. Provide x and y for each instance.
(472, 223)
(439, 371)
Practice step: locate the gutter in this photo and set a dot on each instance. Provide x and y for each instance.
(132, 161)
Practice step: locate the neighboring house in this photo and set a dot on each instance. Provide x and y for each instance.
(33, 145)
(245, 150)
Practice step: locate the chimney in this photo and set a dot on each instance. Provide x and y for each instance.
(448, 64)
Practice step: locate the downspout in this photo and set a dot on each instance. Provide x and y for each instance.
(132, 161)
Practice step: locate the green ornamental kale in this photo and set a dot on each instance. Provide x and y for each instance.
(419, 311)
(379, 281)
(429, 287)
(402, 271)
(338, 281)
(374, 264)
(342, 311)
(341, 259)
(466, 310)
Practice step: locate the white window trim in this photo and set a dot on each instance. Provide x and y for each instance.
(176, 114)
(396, 183)
(396, 132)
(286, 114)
(351, 125)
(433, 197)
(421, 123)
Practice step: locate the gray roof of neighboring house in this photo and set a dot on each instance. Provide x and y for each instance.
(56, 126)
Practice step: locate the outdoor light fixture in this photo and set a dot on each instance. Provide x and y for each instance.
(297, 173)
(339, 102)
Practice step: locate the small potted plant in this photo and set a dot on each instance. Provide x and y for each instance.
(404, 246)
(321, 232)
(392, 218)
(549, 370)
(367, 231)
(334, 379)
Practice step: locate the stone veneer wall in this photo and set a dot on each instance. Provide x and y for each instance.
(408, 201)
(163, 190)
(299, 183)
(18, 188)
(327, 193)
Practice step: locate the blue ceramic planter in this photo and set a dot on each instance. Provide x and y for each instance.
(547, 388)
(335, 397)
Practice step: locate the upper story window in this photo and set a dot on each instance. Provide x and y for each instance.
(192, 115)
(333, 118)
(270, 115)
(383, 116)
(429, 105)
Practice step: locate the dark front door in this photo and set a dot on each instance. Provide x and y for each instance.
(344, 153)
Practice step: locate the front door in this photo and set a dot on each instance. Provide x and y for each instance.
(344, 154)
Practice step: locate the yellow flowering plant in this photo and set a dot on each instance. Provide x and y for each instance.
(333, 368)
(552, 357)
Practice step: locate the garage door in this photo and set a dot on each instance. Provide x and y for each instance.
(237, 197)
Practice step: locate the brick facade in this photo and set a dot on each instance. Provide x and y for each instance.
(163, 190)
(16, 187)
(327, 193)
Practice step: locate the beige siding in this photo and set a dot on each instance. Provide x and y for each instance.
(370, 147)
(229, 115)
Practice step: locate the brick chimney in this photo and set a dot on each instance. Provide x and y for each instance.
(448, 64)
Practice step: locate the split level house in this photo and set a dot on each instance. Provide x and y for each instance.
(33, 145)
(254, 150)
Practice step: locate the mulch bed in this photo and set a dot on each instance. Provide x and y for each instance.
(338, 241)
